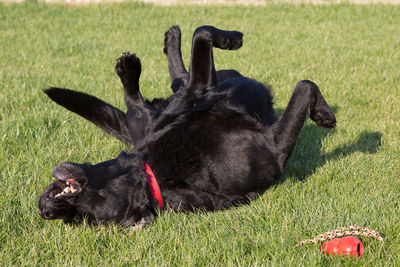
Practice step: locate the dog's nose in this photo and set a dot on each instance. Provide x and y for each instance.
(46, 214)
(46, 208)
(240, 42)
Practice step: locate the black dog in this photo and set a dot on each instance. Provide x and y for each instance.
(213, 144)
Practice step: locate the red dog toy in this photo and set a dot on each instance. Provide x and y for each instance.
(348, 245)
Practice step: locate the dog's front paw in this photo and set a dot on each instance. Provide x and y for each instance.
(128, 67)
(172, 38)
(137, 227)
(141, 224)
(230, 40)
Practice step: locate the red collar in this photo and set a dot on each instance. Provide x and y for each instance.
(153, 185)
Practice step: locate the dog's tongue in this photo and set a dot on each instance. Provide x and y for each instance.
(71, 180)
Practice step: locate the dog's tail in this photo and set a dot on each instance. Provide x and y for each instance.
(107, 117)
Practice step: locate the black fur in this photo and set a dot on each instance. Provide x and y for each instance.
(215, 143)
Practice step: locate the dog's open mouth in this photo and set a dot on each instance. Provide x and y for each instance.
(65, 188)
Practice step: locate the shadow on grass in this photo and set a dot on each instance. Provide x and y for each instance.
(307, 155)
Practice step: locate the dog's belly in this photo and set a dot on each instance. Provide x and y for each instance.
(254, 97)
(217, 152)
(241, 165)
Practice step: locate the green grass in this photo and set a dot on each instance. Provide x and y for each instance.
(334, 178)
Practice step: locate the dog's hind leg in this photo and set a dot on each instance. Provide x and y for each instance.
(202, 74)
(172, 48)
(140, 114)
(306, 99)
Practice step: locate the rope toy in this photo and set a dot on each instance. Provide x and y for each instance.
(343, 231)
(348, 245)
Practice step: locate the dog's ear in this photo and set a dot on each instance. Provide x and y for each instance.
(107, 117)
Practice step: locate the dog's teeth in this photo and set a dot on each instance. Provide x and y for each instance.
(67, 183)
(67, 189)
(73, 190)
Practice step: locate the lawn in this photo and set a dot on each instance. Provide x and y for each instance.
(346, 176)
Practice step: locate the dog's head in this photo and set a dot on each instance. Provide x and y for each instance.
(111, 191)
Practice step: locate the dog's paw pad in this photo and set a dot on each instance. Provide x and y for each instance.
(128, 64)
(173, 32)
(119, 68)
(131, 62)
(324, 119)
(172, 38)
